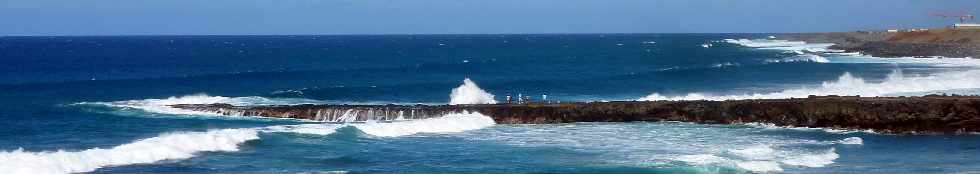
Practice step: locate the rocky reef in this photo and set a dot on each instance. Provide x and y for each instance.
(899, 115)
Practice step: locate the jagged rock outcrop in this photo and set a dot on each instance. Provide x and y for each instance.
(931, 114)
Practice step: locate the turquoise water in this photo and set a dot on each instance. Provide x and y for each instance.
(98, 104)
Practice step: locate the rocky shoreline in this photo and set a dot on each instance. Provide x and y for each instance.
(895, 115)
(952, 43)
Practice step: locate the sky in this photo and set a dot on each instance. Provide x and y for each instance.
(293, 17)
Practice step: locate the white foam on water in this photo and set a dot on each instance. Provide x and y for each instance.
(183, 145)
(701, 159)
(760, 166)
(939, 62)
(759, 152)
(840, 56)
(851, 141)
(813, 160)
(470, 93)
(763, 158)
(800, 58)
(457, 122)
(163, 105)
(774, 44)
(171, 146)
(828, 130)
(848, 85)
(314, 129)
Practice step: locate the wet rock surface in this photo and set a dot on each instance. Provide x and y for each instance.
(900, 115)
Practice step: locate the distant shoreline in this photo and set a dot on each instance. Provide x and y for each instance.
(951, 43)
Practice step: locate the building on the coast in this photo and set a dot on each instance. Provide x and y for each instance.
(966, 25)
(892, 30)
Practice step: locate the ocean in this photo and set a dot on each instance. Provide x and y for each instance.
(99, 104)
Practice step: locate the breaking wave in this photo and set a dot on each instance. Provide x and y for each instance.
(469, 93)
(170, 146)
(786, 45)
(183, 145)
(847, 84)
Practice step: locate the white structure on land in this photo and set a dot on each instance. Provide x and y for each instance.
(966, 25)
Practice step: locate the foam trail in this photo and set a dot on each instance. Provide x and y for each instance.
(469, 93)
(170, 146)
(457, 122)
(846, 84)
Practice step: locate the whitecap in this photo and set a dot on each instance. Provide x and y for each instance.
(183, 145)
(171, 146)
(783, 45)
(813, 160)
(457, 122)
(759, 152)
(851, 141)
(800, 58)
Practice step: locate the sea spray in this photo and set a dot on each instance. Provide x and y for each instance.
(469, 93)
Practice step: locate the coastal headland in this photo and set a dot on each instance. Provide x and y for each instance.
(899, 115)
(945, 42)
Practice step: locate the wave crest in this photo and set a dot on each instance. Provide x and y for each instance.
(786, 45)
(183, 145)
(169, 146)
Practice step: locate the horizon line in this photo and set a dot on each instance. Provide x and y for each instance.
(408, 34)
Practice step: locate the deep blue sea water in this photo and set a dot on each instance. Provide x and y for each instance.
(98, 104)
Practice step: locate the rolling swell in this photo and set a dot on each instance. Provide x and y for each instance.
(184, 145)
